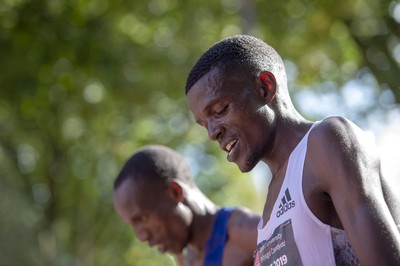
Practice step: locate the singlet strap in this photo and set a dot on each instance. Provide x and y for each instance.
(216, 243)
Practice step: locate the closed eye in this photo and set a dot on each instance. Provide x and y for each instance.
(142, 218)
(222, 111)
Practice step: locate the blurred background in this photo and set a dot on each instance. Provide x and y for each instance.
(85, 83)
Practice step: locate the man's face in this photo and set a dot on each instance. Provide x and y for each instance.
(153, 214)
(231, 107)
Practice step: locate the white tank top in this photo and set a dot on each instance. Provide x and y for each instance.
(293, 235)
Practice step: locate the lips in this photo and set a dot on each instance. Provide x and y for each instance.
(230, 145)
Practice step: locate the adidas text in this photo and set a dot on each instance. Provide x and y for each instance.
(286, 207)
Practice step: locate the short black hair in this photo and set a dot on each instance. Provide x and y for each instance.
(155, 162)
(240, 50)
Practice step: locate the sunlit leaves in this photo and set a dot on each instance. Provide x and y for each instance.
(85, 83)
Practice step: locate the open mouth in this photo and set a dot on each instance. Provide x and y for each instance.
(229, 147)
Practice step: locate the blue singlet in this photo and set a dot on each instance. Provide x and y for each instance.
(215, 245)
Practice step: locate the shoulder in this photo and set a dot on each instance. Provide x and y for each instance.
(242, 224)
(242, 217)
(339, 148)
(338, 134)
(242, 231)
(338, 128)
(333, 127)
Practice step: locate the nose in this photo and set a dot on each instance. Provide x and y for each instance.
(214, 129)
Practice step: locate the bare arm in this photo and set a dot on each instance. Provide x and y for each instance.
(242, 237)
(348, 169)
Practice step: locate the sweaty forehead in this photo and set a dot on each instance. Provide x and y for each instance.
(204, 91)
(210, 81)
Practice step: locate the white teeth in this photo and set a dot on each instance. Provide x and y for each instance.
(229, 145)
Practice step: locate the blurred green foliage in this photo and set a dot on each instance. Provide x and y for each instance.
(85, 83)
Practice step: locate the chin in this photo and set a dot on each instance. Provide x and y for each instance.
(246, 166)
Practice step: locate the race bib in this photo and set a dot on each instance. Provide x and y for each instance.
(279, 249)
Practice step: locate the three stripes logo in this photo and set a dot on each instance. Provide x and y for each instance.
(286, 203)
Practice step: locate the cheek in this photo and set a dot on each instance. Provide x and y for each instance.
(174, 218)
(179, 225)
(179, 222)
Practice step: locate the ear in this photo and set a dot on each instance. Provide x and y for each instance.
(176, 191)
(268, 85)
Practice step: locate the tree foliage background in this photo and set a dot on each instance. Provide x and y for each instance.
(85, 83)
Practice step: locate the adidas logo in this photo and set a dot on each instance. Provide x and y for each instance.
(286, 204)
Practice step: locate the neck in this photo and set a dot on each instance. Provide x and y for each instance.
(203, 219)
(286, 138)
